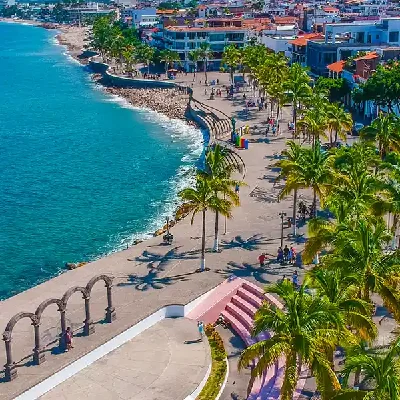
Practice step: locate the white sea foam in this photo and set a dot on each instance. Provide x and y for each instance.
(185, 175)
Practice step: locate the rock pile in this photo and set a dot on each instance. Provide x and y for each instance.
(170, 102)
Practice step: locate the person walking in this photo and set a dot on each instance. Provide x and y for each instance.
(295, 279)
(237, 189)
(261, 259)
(68, 339)
(280, 255)
(286, 254)
(200, 327)
(293, 255)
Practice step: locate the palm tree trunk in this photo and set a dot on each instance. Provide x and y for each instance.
(203, 244)
(357, 376)
(294, 213)
(289, 384)
(216, 237)
(205, 69)
(148, 67)
(314, 204)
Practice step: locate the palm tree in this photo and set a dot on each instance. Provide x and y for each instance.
(381, 370)
(200, 199)
(340, 288)
(314, 122)
(290, 165)
(312, 173)
(298, 87)
(205, 55)
(231, 58)
(169, 57)
(145, 54)
(219, 168)
(339, 121)
(303, 331)
(194, 57)
(386, 131)
(359, 249)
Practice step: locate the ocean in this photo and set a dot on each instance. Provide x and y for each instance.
(82, 174)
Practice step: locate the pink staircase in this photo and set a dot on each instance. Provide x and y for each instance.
(238, 300)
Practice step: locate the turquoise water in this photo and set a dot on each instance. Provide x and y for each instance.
(81, 173)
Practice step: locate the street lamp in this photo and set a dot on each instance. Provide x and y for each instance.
(282, 215)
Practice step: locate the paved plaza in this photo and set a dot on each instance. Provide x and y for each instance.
(151, 275)
(164, 362)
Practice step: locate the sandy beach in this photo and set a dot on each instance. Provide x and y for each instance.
(74, 38)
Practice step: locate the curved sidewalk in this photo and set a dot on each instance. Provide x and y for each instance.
(157, 364)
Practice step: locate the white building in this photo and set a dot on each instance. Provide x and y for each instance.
(139, 17)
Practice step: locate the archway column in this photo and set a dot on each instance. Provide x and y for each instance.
(9, 368)
(38, 357)
(88, 328)
(110, 310)
(61, 341)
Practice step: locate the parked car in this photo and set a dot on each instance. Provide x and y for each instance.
(356, 128)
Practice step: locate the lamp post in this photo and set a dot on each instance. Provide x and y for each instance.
(282, 215)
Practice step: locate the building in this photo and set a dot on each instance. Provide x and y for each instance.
(344, 40)
(183, 39)
(138, 17)
(299, 47)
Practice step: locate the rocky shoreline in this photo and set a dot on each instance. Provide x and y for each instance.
(170, 102)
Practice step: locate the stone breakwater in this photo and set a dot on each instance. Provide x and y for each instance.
(170, 102)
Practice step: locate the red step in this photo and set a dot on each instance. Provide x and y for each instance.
(256, 290)
(244, 305)
(241, 315)
(239, 328)
(249, 297)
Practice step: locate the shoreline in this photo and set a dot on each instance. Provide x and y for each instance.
(168, 102)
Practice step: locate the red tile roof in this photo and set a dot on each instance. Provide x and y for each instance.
(302, 40)
(369, 56)
(337, 66)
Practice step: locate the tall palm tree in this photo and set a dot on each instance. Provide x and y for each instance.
(194, 57)
(145, 54)
(231, 58)
(380, 370)
(298, 88)
(312, 173)
(303, 331)
(219, 168)
(205, 55)
(359, 249)
(314, 122)
(339, 121)
(169, 57)
(200, 199)
(340, 288)
(386, 131)
(290, 166)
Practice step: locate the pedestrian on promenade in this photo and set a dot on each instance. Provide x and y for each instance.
(293, 255)
(261, 259)
(68, 339)
(280, 255)
(200, 327)
(267, 131)
(237, 189)
(286, 253)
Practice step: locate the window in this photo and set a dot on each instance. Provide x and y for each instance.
(360, 37)
(394, 36)
(180, 35)
(217, 37)
(369, 38)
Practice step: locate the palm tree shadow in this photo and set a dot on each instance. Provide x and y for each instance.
(246, 270)
(252, 243)
(153, 281)
(160, 261)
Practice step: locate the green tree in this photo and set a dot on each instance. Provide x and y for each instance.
(205, 55)
(231, 58)
(385, 130)
(339, 121)
(145, 54)
(169, 57)
(200, 199)
(303, 332)
(194, 57)
(219, 169)
(290, 165)
(382, 87)
(298, 88)
(338, 88)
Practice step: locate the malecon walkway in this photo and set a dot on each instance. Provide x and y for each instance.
(151, 275)
(164, 362)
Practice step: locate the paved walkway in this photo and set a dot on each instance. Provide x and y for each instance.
(150, 275)
(164, 362)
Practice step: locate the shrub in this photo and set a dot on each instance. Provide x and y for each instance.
(218, 367)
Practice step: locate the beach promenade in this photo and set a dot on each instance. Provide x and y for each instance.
(151, 275)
